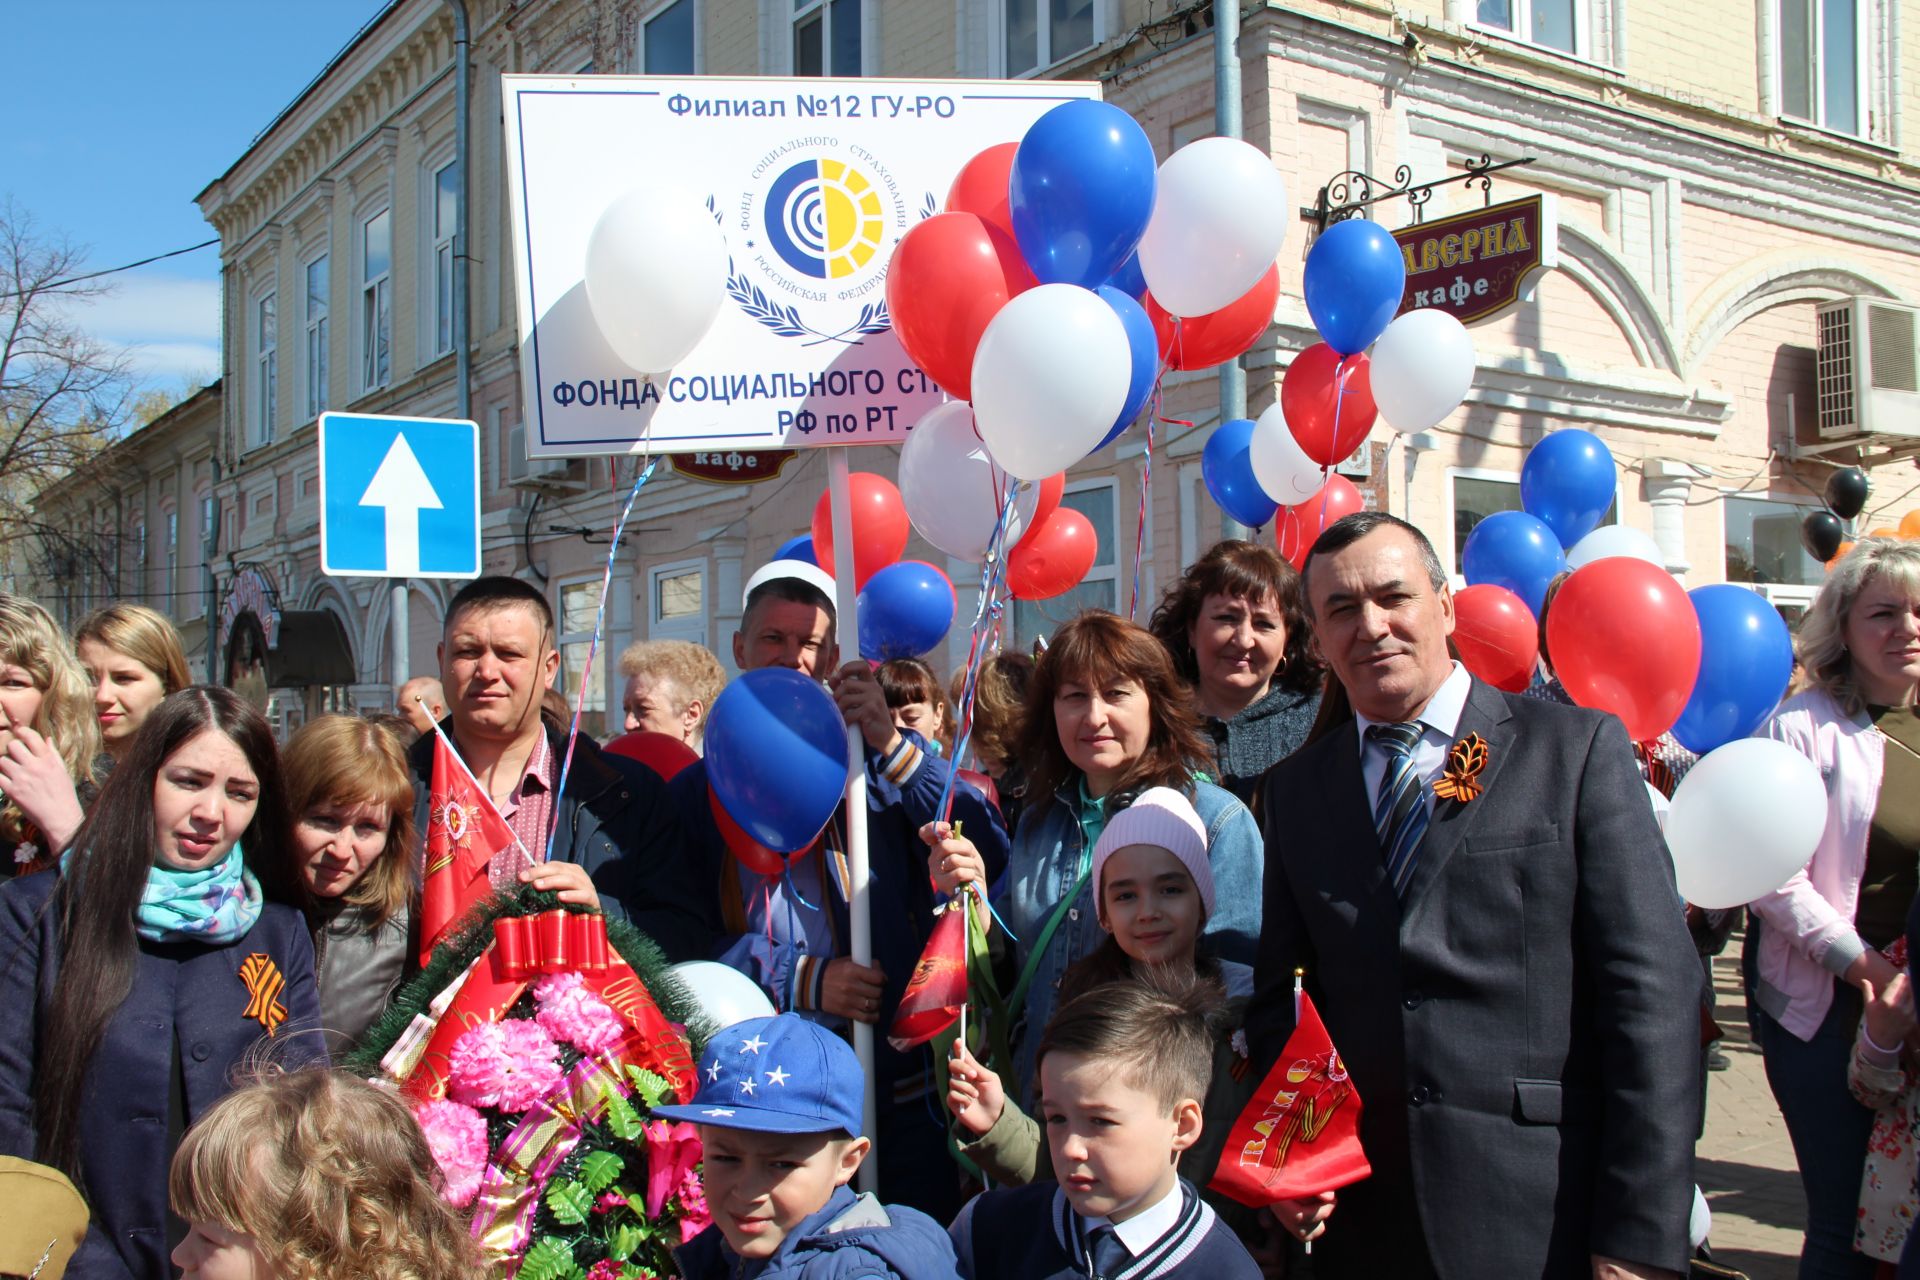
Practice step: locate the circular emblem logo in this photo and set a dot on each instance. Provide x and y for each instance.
(824, 218)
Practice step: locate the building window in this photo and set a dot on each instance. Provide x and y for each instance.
(1552, 24)
(677, 602)
(318, 295)
(826, 37)
(376, 300)
(1098, 501)
(579, 607)
(266, 393)
(1822, 62)
(1478, 494)
(446, 216)
(1763, 543)
(667, 40)
(170, 550)
(1039, 33)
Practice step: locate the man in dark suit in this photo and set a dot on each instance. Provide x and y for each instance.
(1503, 965)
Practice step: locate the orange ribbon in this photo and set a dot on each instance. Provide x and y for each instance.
(264, 985)
(1465, 760)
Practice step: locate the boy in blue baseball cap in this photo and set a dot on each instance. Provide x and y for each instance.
(779, 1116)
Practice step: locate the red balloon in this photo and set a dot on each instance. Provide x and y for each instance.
(1496, 635)
(981, 783)
(1217, 337)
(982, 186)
(1624, 638)
(663, 753)
(1297, 528)
(1328, 402)
(751, 854)
(1052, 489)
(880, 526)
(947, 278)
(1054, 559)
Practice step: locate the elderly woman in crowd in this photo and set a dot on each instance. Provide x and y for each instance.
(48, 738)
(1236, 625)
(135, 659)
(671, 685)
(1815, 954)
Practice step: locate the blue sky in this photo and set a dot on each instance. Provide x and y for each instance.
(119, 112)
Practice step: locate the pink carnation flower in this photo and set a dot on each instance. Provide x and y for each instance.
(694, 1214)
(576, 1015)
(673, 1152)
(457, 1136)
(505, 1065)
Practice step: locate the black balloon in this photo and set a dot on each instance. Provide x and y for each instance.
(1822, 533)
(1847, 491)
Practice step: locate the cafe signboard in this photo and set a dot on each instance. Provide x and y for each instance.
(1474, 265)
(735, 466)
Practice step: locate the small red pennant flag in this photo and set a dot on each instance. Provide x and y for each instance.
(1300, 1135)
(464, 831)
(938, 987)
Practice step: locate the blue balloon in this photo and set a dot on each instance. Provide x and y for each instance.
(1567, 483)
(1128, 279)
(777, 756)
(1355, 276)
(1746, 659)
(1081, 191)
(800, 548)
(1511, 549)
(1226, 464)
(904, 610)
(1145, 346)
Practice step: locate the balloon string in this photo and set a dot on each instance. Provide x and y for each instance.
(593, 645)
(1155, 404)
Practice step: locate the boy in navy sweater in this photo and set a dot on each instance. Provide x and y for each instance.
(778, 1113)
(1123, 1074)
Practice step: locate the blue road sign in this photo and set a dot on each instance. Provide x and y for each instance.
(399, 497)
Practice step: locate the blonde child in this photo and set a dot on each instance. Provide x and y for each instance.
(313, 1175)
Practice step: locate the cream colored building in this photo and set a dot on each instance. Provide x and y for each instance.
(1720, 168)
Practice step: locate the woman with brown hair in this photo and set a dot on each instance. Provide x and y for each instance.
(1107, 717)
(48, 738)
(135, 659)
(917, 702)
(351, 800)
(1236, 625)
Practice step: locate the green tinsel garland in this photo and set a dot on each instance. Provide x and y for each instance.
(451, 958)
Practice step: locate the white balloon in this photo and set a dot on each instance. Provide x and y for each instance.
(1049, 377)
(656, 275)
(1217, 225)
(1744, 819)
(1421, 369)
(952, 487)
(723, 993)
(1615, 540)
(1281, 466)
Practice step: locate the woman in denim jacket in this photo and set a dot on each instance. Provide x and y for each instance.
(1106, 718)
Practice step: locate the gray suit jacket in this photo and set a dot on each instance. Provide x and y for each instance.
(1523, 1030)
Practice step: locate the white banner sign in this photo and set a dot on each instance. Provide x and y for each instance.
(812, 183)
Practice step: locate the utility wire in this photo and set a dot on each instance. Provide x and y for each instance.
(95, 275)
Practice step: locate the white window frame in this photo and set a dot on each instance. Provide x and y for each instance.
(1866, 20)
(699, 32)
(266, 366)
(805, 10)
(1448, 556)
(566, 640)
(692, 629)
(439, 281)
(318, 328)
(1800, 505)
(1587, 14)
(1047, 58)
(374, 300)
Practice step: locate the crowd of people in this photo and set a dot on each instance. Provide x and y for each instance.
(1286, 781)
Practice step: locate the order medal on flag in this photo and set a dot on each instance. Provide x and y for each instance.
(464, 832)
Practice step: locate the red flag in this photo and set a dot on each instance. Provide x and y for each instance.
(1300, 1135)
(938, 987)
(464, 831)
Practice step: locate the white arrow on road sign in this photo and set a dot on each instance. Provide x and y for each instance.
(401, 487)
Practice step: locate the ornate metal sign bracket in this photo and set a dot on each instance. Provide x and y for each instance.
(1350, 192)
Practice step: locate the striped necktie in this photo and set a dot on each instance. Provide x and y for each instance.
(1400, 813)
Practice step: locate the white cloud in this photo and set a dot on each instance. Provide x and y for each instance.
(169, 364)
(151, 308)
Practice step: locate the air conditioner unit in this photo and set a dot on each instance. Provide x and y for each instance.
(542, 475)
(1867, 375)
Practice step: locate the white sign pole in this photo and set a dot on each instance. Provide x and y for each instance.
(859, 907)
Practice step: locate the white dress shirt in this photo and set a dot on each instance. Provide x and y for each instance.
(1439, 721)
(1143, 1230)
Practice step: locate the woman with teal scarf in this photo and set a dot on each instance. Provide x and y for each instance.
(169, 951)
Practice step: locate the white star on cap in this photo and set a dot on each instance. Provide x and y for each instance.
(718, 1112)
(713, 1072)
(753, 1046)
(778, 1076)
(746, 1085)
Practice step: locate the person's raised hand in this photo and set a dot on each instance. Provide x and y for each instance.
(974, 1094)
(35, 777)
(851, 990)
(863, 704)
(568, 879)
(952, 860)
